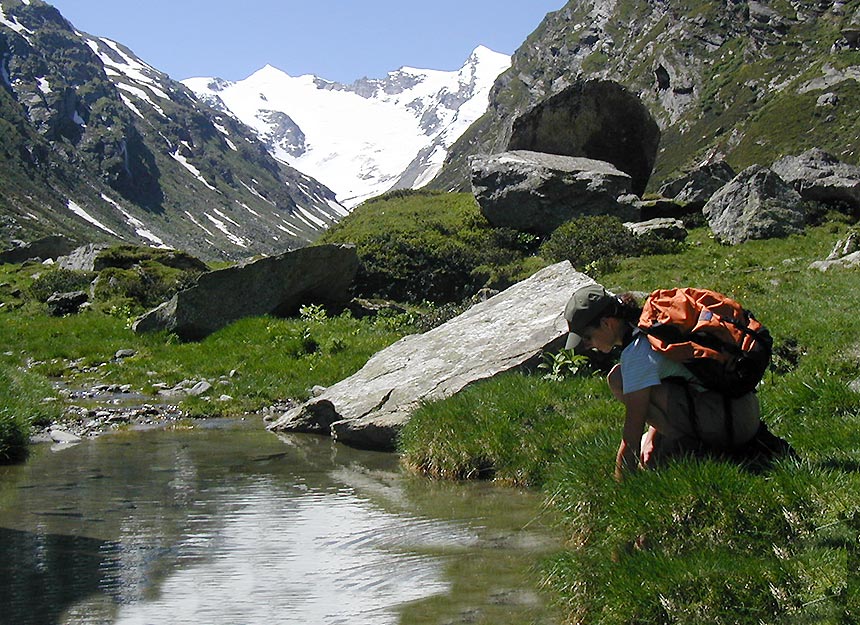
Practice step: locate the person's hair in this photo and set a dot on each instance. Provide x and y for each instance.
(625, 307)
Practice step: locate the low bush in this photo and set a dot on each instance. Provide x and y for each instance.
(143, 286)
(57, 280)
(592, 244)
(422, 246)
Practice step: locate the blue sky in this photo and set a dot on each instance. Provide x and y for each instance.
(340, 40)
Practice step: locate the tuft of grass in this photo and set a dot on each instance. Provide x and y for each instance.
(22, 404)
(510, 428)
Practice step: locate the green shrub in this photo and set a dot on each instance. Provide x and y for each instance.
(59, 280)
(146, 284)
(417, 246)
(593, 244)
(128, 256)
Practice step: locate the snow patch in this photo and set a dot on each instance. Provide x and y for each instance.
(257, 193)
(44, 85)
(236, 240)
(249, 209)
(196, 172)
(14, 24)
(131, 105)
(80, 212)
(201, 226)
(138, 226)
(141, 94)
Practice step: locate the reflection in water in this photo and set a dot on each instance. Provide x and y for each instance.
(220, 527)
(43, 574)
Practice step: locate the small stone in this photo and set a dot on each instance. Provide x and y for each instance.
(63, 436)
(201, 387)
(124, 353)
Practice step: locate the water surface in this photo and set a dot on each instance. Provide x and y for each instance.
(233, 525)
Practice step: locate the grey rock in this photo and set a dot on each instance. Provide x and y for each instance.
(697, 186)
(50, 247)
(538, 192)
(124, 353)
(827, 99)
(596, 119)
(62, 436)
(201, 388)
(821, 177)
(60, 304)
(274, 285)
(849, 261)
(846, 246)
(507, 331)
(663, 227)
(756, 204)
(846, 254)
(82, 258)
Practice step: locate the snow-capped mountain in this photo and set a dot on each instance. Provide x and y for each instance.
(365, 138)
(101, 146)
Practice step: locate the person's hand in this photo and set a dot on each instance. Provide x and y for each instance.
(646, 450)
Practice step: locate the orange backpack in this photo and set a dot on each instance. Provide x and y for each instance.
(719, 341)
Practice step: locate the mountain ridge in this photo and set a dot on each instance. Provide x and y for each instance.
(739, 81)
(367, 137)
(100, 146)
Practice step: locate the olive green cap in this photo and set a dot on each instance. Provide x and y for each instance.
(584, 306)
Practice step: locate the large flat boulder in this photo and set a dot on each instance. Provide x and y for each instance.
(756, 204)
(596, 119)
(821, 177)
(537, 192)
(505, 332)
(274, 285)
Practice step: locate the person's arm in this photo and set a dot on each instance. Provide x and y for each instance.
(636, 408)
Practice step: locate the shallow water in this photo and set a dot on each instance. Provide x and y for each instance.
(233, 525)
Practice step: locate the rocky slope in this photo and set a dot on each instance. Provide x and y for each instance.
(745, 80)
(98, 145)
(365, 138)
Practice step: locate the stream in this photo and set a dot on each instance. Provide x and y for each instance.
(225, 523)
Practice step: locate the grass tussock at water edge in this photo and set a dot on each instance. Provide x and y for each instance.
(700, 541)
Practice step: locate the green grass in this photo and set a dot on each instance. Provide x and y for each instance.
(701, 541)
(25, 400)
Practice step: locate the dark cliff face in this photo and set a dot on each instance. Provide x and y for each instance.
(98, 145)
(740, 79)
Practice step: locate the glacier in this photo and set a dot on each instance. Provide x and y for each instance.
(362, 139)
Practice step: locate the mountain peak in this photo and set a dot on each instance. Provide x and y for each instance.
(368, 137)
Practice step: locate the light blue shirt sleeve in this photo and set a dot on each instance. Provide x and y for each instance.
(642, 367)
